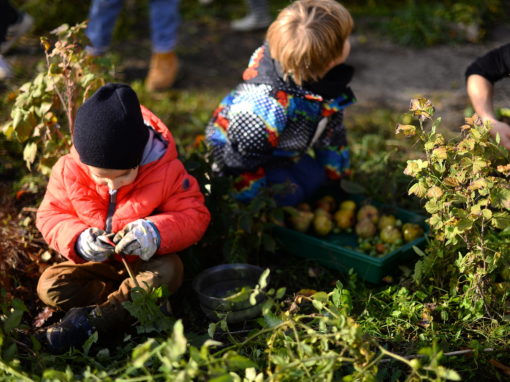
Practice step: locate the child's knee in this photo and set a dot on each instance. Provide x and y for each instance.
(168, 270)
(67, 285)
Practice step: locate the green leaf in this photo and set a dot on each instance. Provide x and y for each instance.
(89, 342)
(54, 375)
(264, 279)
(211, 329)
(432, 206)
(418, 251)
(500, 198)
(143, 352)
(239, 294)
(269, 243)
(500, 220)
(13, 319)
(179, 342)
(237, 361)
(479, 165)
(449, 374)
(222, 378)
(271, 320)
(317, 304)
(352, 187)
(320, 296)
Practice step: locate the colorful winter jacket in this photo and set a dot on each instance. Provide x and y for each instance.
(163, 192)
(268, 121)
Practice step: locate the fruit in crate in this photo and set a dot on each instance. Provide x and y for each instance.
(321, 211)
(380, 248)
(411, 231)
(348, 205)
(303, 206)
(368, 212)
(365, 228)
(387, 221)
(391, 235)
(327, 203)
(322, 224)
(344, 218)
(301, 220)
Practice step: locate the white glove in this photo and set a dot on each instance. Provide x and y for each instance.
(140, 238)
(90, 247)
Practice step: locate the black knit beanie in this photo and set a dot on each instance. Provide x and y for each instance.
(109, 131)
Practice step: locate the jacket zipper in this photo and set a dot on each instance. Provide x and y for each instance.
(111, 210)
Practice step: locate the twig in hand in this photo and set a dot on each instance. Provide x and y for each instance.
(108, 239)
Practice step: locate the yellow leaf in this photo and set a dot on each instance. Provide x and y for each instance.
(487, 214)
(406, 130)
(477, 184)
(505, 170)
(415, 166)
(418, 189)
(434, 192)
(439, 153)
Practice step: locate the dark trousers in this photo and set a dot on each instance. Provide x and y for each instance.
(8, 16)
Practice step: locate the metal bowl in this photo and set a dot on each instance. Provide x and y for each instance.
(215, 284)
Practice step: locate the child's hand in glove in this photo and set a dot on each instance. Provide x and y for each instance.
(140, 238)
(90, 247)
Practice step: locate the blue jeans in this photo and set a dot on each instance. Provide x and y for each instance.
(164, 19)
(304, 178)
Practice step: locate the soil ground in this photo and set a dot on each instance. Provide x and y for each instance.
(387, 75)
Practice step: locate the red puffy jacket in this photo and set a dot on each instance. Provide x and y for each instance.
(163, 191)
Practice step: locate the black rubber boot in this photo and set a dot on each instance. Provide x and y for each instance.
(71, 332)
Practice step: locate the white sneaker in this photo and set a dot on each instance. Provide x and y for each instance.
(5, 69)
(15, 31)
(250, 22)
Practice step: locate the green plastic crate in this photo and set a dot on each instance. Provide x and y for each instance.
(332, 251)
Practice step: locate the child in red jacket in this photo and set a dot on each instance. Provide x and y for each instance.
(121, 190)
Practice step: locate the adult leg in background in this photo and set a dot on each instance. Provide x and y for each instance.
(102, 17)
(164, 65)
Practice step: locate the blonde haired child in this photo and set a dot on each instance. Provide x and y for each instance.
(290, 103)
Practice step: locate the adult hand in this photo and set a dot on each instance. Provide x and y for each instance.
(503, 129)
(90, 247)
(139, 238)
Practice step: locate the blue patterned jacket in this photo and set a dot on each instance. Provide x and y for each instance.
(267, 121)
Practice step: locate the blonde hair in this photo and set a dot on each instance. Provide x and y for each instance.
(307, 36)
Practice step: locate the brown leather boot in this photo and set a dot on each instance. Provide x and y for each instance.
(162, 72)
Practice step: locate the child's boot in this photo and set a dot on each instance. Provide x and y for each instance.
(72, 331)
(162, 72)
